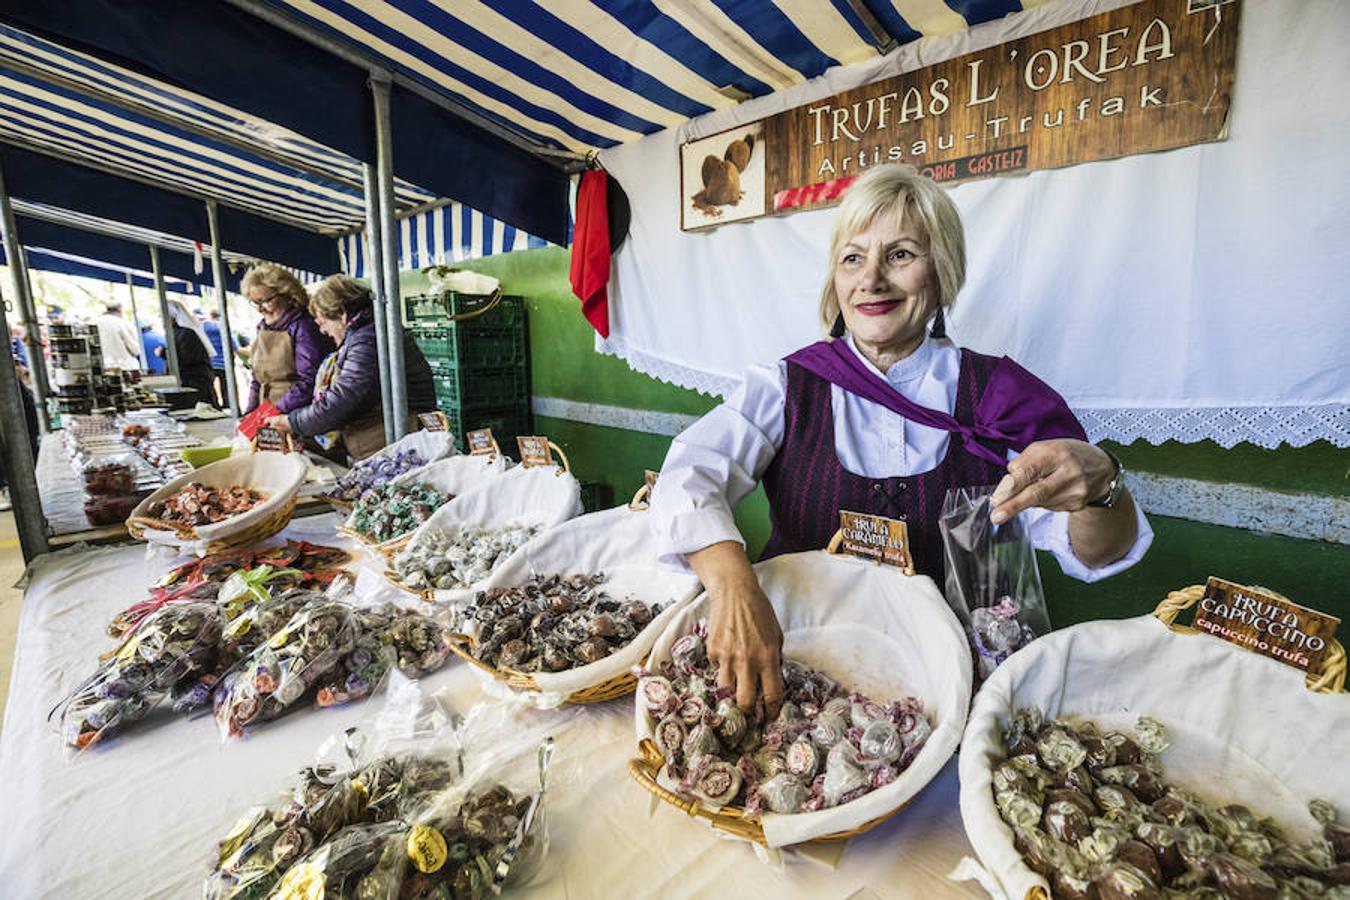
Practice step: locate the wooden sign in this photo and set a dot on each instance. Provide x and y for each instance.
(1150, 76)
(268, 438)
(877, 538)
(434, 421)
(481, 441)
(534, 451)
(1265, 623)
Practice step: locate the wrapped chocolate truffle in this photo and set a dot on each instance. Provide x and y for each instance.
(826, 746)
(1092, 812)
(393, 510)
(443, 560)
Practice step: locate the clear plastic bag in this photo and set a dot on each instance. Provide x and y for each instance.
(278, 674)
(388, 637)
(993, 584)
(175, 645)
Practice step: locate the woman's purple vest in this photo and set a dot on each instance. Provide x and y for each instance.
(807, 486)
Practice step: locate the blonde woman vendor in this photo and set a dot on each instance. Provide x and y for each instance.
(883, 418)
(289, 347)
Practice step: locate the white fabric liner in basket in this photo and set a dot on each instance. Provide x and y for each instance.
(619, 543)
(454, 475)
(543, 496)
(278, 476)
(432, 445)
(1244, 728)
(875, 630)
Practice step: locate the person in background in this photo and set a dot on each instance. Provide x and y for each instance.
(194, 352)
(289, 346)
(118, 338)
(30, 420)
(211, 325)
(16, 344)
(350, 402)
(153, 342)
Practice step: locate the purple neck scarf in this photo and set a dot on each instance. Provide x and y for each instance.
(1016, 409)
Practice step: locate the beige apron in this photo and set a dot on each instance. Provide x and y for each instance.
(274, 364)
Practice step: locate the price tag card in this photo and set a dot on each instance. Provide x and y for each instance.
(534, 451)
(434, 421)
(268, 438)
(877, 538)
(481, 441)
(1266, 623)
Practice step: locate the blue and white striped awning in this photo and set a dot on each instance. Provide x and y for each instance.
(44, 260)
(42, 108)
(588, 74)
(447, 234)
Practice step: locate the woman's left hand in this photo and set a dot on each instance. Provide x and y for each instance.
(280, 423)
(1061, 474)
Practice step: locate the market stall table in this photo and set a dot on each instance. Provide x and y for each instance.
(63, 496)
(140, 817)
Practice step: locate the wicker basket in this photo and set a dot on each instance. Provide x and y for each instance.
(277, 475)
(977, 809)
(618, 686)
(263, 528)
(731, 819)
(925, 616)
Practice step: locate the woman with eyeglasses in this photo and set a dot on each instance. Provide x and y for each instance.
(883, 419)
(347, 402)
(289, 347)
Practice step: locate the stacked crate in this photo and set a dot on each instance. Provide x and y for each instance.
(480, 365)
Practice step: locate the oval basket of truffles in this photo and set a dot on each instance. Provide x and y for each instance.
(877, 681)
(459, 546)
(571, 614)
(404, 455)
(1137, 759)
(226, 504)
(385, 517)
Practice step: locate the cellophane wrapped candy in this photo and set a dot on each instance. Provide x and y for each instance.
(276, 675)
(992, 582)
(1091, 812)
(443, 560)
(374, 472)
(552, 623)
(415, 808)
(388, 637)
(393, 510)
(827, 746)
(176, 645)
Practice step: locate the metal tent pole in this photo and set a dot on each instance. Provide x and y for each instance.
(226, 336)
(42, 387)
(375, 267)
(136, 323)
(384, 164)
(15, 449)
(170, 348)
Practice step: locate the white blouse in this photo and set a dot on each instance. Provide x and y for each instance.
(720, 458)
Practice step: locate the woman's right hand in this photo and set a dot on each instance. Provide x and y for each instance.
(745, 641)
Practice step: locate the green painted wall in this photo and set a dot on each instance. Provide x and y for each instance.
(564, 364)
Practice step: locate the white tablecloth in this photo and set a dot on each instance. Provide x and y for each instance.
(139, 818)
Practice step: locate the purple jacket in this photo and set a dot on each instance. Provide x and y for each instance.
(355, 393)
(311, 346)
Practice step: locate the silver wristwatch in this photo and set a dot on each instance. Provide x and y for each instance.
(1114, 489)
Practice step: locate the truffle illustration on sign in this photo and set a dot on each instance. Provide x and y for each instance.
(723, 177)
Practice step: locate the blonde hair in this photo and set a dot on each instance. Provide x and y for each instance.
(339, 297)
(914, 199)
(279, 281)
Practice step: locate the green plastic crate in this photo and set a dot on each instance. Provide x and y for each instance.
(479, 387)
(507, 423)
(472, 348)
(437, 308)
(596, 495)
